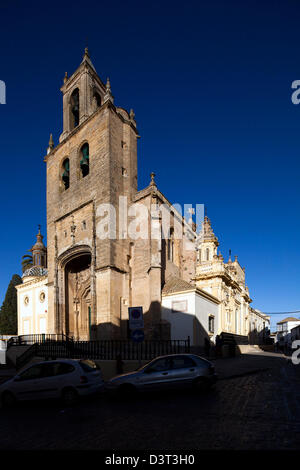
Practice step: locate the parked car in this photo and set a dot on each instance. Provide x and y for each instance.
(67, 379)
(166, 372)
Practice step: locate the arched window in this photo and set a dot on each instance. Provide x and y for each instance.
(85, 160)
(207, 254)
(66, 173)
(74, 106)
(96, 100)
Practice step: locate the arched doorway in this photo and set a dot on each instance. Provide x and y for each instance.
(78, 297)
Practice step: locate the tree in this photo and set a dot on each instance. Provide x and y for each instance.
(27, 261)
(9, 308)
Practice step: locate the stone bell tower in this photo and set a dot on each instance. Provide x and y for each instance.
(83, 93)
(93, 164)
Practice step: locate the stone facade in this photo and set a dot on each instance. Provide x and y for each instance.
(120, 272)
(96, 268)
(226, 282)
(259, 326)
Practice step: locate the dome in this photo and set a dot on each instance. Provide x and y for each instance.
(35, 271)
(39, 245)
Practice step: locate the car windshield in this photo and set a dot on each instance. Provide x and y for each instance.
(145, 365)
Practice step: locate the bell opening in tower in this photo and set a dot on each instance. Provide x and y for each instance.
(74, 105)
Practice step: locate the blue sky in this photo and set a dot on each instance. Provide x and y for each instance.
(210, 83)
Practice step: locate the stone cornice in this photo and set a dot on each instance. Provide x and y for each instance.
(196, 290)
(36, 281)
(111, 266)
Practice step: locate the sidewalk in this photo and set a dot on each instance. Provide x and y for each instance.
(246, 364)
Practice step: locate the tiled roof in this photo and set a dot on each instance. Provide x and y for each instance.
(174, 284)
(35, 271)
(288, 319)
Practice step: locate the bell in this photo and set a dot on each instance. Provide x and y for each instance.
(84, 162)
(85, 151)
(66, 179)
(84, 165)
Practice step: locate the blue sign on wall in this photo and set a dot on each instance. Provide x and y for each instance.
(137, 336)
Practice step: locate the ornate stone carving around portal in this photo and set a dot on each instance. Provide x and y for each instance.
(78, 298)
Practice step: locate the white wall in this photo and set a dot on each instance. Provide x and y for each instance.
(292, 324)
(194, 321)
(2, 351)
(41, 310)
(2, 356)
(181, 322)
(205, 308)
(32, 317)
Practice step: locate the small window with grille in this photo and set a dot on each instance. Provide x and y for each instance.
(211, 324)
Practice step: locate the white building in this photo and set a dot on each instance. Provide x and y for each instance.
(3, 347)
(284, 328)
(33, 293)
(259, 326)
(190, 311)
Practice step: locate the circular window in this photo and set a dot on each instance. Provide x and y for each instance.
(42, 296)
(26, 300)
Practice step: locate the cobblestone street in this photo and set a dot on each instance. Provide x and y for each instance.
(255, 405)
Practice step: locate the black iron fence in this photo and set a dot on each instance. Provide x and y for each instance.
(105, 349)
(24, 358)
(127, 349)
(27, 340)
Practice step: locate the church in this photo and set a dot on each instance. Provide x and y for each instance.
(93, 268)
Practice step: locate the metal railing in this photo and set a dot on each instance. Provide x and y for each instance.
(26, 356)
(27, 340)
(105, 349)
(128, 350)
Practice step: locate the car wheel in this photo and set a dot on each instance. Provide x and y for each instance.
(69, 396)
(8, 399)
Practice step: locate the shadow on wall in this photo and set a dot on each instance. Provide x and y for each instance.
(260, 337)
(183, 325)
(156, 328)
